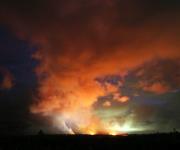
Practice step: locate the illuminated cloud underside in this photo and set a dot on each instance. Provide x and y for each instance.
(84, 47)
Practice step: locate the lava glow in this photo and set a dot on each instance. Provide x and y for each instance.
(116, 130)
(75, 126)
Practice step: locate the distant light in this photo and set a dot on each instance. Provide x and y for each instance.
(92, 133)
(116, 129)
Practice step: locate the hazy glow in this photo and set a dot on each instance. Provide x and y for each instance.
(74, 126)
(126, 128)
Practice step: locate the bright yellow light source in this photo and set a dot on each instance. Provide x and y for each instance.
(113, 133)
(116, 129)
(92, 133)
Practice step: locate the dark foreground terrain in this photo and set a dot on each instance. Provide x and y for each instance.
(169, 141)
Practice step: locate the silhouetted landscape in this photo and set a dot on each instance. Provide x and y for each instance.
(100, 142)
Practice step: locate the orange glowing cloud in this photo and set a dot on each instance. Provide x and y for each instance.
(156, 88)
(159, 76)
(121, 99)
(7, 82)
(80, 42)
(73, 56)
(107, 104)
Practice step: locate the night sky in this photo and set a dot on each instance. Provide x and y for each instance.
(90, 67)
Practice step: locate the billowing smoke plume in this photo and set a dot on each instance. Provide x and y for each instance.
(82, 41)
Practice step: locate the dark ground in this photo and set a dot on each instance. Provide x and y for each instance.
(169, 141)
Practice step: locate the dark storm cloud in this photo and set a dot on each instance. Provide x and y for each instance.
(42, 14)
(17, 82)
(158, 113)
